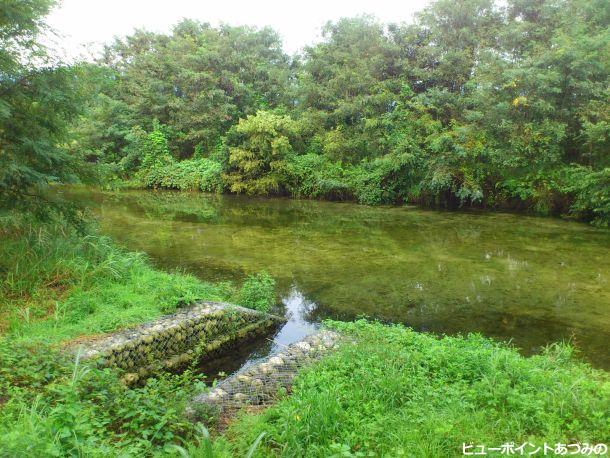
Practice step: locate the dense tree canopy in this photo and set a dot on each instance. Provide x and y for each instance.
(198, 81)
(474, 103)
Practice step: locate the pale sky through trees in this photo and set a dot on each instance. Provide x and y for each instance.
(82, 22)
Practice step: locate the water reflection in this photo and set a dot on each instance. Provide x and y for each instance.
(298, 312)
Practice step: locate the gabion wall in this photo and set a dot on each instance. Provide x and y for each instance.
(260, 383)
(198, 332)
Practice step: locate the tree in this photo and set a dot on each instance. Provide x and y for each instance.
(37, 101)
(198, 81)
(351, 79)
(259, 147)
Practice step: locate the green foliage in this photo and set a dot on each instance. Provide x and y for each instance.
(37, 103)
(399, 393)
(59, 285)
(219, 75)
(591, 191)
(155, 149)
(314, 175)
(259, 147)
(190, 175)
(478, 105)
(258, 292)
(384, 180)
(56, 407)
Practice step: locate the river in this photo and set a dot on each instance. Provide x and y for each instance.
(529, 280)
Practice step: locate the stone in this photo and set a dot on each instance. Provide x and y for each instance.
(217, 394)
(240, 397)
(303, 346)
(275, 361)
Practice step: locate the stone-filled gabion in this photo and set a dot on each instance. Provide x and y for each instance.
(200, 331)
(259, 383)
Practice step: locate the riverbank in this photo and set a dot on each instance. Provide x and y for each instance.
(575, 195)
(394, 392)
(61, 285)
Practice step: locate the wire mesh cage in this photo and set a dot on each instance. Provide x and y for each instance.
(194, 333)
(260, 383)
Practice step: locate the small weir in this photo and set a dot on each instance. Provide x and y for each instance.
(251, 355)
(297, 325)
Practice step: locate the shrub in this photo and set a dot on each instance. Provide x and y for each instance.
(591, 193)
(316, 176)
(385, 180)
(258, 149)
(56, 407)
(193, 175)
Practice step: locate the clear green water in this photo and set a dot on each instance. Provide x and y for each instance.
(531, 280)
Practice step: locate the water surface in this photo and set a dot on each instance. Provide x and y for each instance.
(530, 280)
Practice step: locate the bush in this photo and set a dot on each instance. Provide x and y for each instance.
(258, 292)
(591, 193)
(259, 147)
(56, 407)
(315, 176)
(190, 175)
(385, 180)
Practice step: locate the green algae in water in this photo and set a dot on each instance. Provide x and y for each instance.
(532, 280)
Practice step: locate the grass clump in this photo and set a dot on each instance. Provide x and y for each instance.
(258, 292)
(396, 392)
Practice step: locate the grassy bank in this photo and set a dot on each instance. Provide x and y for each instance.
(401, 393)
(393, 392)
(59, 285)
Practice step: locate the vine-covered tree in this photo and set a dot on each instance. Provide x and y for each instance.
(260, 147)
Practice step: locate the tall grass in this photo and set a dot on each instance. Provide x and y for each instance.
(400, 393)
(58, 284)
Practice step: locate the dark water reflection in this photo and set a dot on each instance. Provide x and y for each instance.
(530, 280)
